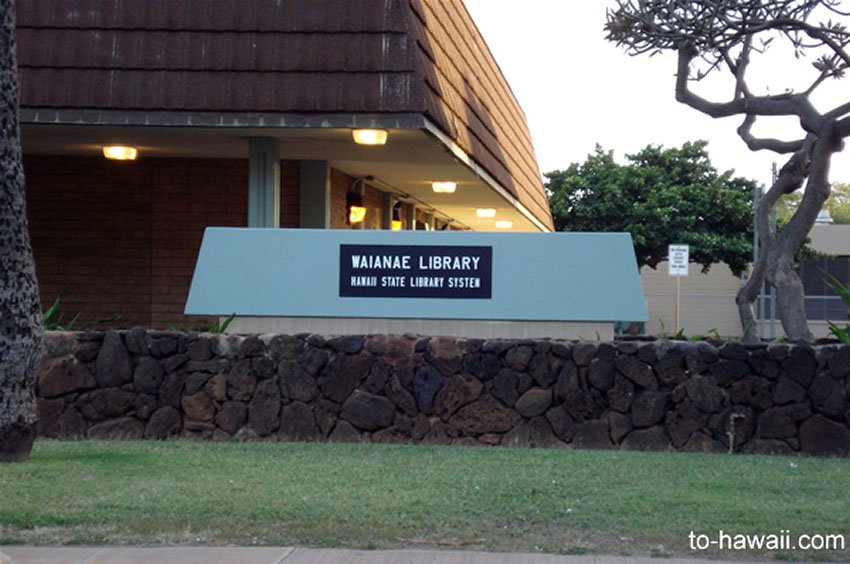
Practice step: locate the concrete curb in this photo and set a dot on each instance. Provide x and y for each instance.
(291, 555)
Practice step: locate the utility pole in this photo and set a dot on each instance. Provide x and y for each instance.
(773, 179)
(767, 295)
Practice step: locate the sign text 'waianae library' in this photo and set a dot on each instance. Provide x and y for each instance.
(415, 271)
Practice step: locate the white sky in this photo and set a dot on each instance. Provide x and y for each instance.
(578, 90)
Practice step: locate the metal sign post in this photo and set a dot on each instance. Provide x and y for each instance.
(677, 265)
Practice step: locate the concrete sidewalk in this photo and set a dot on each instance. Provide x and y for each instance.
(287, 555)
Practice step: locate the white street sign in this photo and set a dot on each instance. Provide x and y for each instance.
(677, 260)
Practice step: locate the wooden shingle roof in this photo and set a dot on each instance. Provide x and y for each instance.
(282, 56)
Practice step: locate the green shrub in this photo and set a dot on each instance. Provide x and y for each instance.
(843, 291)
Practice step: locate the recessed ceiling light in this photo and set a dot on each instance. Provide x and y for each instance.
(504, 224)
(446, 187)
(369, 136)
(120, 152)
(485, 212)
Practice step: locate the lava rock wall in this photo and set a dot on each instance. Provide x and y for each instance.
(659, 395)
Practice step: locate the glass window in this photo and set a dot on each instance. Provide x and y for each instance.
(821, 301)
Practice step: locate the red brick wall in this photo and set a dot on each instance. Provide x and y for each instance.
(290, 194)
(123, 238)
(89, 222)
(188, 195)
(374, 201)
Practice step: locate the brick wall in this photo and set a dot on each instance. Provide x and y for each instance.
(188, 195)
(290, 194)
(123, 238)
(341, 183)
(89, 221)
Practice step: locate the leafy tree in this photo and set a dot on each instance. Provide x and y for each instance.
(20, 311)
(723, 37)
(661, 196)
(838, 204)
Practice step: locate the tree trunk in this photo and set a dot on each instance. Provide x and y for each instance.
(790, 179)
(20, 310)
(791, 303)
(777, 251)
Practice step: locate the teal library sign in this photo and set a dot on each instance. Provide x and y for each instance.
(417, 275)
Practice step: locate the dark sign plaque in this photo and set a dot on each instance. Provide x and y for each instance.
(415, 271)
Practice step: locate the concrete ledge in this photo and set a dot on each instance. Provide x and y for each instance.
(467, 328)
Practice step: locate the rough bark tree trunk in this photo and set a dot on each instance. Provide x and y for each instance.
(777, 250)
(20, 309)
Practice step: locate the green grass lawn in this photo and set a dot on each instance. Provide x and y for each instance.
(380, 496)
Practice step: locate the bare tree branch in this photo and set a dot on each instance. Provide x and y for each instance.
(758, 144)
(740, 70)
(839, 111)
(818, 81)
(784, 105)
(842, 128)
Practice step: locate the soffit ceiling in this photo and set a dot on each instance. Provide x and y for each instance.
(407, 164)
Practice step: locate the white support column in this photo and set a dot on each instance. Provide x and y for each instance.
(263, 182)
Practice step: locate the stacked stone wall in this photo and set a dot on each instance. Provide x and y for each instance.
(660, 395)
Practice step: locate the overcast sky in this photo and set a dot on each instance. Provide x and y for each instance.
(578, 90)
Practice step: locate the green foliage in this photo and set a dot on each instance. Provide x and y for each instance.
(838, 204)
(842, 334)
(680, 335)
(52, 320)
(204, 326)
(712, 333)
(222, 326)
(843, 291)
(661, 196)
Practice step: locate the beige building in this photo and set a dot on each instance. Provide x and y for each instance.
(707, 301)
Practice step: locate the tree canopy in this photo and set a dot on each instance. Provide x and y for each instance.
(838, 204)
(728, 38)
(661, 196)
